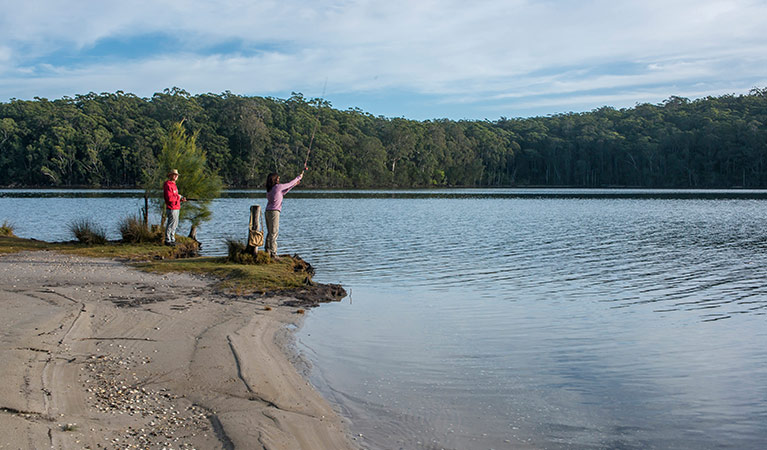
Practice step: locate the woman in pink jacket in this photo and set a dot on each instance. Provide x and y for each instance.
(274, 193)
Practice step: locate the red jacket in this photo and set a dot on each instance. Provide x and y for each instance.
(170, 191)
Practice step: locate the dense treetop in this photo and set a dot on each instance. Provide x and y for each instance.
(114, 139)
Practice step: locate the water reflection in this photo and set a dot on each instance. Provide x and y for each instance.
(551, 373)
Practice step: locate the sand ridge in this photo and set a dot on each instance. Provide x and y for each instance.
(96, 354)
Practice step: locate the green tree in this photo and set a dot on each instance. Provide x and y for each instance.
(197, 181)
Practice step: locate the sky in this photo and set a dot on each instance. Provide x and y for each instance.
(418, 59)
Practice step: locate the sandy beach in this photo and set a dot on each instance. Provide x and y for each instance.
(96, 354)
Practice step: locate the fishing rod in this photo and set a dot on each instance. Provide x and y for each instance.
(314, 129)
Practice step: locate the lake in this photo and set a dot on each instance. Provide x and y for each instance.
(510, 318)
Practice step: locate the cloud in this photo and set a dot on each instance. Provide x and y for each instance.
(5, 54)
(462, 53)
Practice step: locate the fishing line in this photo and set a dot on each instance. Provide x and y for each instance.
(316, 124)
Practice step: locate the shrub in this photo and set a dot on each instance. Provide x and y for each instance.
(237, 252)
(133, 230)
(88, 232)
(234, 248)
(185, 247)
(6, 229)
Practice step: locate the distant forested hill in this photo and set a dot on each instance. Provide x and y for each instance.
(112, 139)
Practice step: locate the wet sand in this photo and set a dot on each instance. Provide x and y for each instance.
(95, 354)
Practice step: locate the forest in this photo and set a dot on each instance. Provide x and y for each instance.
(114, 139)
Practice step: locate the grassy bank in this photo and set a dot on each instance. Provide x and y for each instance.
(284, 275)
(111, 249)
(238, 278)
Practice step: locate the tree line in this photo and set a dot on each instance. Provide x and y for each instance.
(115, 140)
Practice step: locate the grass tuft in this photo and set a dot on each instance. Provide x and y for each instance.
(88, 232)
(238, 253)
(6, 229)
(235, 250)
(133, 231)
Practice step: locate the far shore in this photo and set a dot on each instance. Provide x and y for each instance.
(226, 189)
(97, 354)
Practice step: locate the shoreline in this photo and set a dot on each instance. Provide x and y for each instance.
(97, 354)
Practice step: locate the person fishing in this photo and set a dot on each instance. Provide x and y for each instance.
(172, 205)
(274, 194)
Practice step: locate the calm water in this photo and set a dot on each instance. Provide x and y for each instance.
(512, 319)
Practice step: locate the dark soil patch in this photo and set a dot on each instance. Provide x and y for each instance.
(312, 295)
(134, 302)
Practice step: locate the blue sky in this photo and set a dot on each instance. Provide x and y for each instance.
(422, 59)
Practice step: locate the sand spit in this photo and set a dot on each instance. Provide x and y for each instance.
(95, 354)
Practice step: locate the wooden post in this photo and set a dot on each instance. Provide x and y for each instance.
(146, 210)
(255, 233)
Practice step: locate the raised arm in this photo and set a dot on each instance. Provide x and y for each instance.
(290, 185)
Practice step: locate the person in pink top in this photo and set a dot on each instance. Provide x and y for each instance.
(275, 191)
